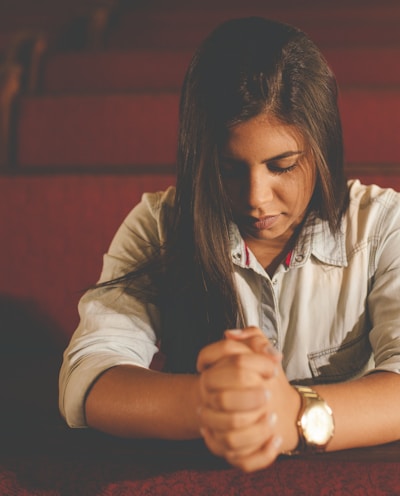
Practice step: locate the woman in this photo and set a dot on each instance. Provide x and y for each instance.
(262, 271)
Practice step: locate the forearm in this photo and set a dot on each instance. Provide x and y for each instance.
(365, 410)
(131, 401)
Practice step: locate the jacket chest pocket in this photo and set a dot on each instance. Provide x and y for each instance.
(342, 362)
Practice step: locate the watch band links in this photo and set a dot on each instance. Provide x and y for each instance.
(311, 399)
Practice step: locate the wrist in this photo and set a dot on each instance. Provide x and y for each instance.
(195, 402)
(290, 431)
(314, 423)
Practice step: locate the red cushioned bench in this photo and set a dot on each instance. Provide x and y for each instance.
(114, 70)
(55, 229)
(127, 70)
(140, 128)
(98, 130)
(182, 28)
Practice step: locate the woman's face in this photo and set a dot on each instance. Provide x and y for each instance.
(268, 179)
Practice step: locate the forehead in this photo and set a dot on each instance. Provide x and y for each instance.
(263, 134)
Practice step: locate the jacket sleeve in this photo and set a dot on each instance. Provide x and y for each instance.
(115, 327)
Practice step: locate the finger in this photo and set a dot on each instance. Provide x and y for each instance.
(217, 447)
(251, 437)
(237, 401)
(222, 421)
(215, 351)
(239, 372)
(211, 443)
(244, 333)
(259, 459)
(254, 338)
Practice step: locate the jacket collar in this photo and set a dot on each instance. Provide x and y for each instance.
(315, 239)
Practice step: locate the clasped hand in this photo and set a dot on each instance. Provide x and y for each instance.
(248, 409)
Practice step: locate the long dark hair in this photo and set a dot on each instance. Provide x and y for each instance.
(244, 68)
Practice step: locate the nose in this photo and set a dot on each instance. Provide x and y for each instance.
(259, 188)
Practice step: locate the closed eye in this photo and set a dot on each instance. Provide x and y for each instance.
(237, 169)
(275, 169)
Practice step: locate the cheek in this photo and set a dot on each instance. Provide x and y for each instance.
(297, 192)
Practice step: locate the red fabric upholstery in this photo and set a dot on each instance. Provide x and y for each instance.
(79, 463)
(187, 27)
(352, 65)
(160, 69)
(96, 130)
(55, 230)
(371, 120)
(141, 129)
(114, 71)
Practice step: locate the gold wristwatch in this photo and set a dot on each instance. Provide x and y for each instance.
(315, 422)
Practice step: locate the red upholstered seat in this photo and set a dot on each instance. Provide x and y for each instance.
(327, 24)
(114, 70)
(98, 130)
(129, 70)
(141, 128)
(55, 229)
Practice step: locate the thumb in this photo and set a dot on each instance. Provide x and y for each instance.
(255, 339)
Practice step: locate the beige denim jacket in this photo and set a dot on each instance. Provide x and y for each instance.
(333, 311)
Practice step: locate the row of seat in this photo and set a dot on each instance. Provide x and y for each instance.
(94, 128)
(55, 229)
(137, 126)
(105, 23)
(98, 129)
(61, 24)
(140, 129)
(95, 23)
(160, 69)
(155, 29)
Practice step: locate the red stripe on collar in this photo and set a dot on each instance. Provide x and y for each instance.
(288, 257)
(247, 255)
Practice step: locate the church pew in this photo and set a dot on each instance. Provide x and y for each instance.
(186, 27)
(141, 128)
(55, 229)
(126, 70)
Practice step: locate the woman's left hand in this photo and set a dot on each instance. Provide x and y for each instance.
(248, 407)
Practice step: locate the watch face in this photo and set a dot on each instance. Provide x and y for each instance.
(317, 424)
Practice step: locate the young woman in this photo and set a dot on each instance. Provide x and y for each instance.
(262, 271)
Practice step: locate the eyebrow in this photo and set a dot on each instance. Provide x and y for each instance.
(283, 155)
(271, 159)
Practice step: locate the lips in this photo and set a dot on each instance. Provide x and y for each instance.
(263, 222)
(250, 223)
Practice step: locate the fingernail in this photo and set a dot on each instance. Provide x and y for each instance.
(267, 394)
(272, 419)
(235, 332)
